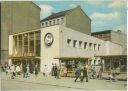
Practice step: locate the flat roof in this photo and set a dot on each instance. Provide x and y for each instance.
(101, 32)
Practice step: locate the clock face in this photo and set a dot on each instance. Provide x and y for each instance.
(48, 39)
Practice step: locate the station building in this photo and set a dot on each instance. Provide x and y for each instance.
(64, 44)
(65, 39)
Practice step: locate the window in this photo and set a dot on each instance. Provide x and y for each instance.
(90, 46)
(80, 44)
(58, 21)
(43, 24)
(94, 62)
(94, 46)
(46, 23)
(62, 20)
(98, 47)
(85, 45)
(74, 43)
(53, 22)
(69, 42)
(50, 23)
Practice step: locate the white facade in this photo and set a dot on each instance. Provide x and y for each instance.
(70, 43)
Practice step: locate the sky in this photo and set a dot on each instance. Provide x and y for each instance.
(105, 14)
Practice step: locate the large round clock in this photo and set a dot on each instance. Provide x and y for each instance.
(48, 39)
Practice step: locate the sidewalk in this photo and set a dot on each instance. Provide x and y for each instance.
(69, 82)
(120, 77)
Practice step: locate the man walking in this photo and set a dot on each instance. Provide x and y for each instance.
(36, 70)
(24, 71)
(12, 71)
(85, 75)
(77, 73)
(55, 71)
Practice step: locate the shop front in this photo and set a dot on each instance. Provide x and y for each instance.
(71, 63)
(23, 62)
(117, 62)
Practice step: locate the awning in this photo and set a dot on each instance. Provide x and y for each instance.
(72, 58)
(112, 56)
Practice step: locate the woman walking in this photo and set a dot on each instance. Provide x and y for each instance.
(36, 70)
(65, 72)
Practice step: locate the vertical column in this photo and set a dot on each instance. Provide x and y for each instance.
(28, 43)
(22, 44)
(34, 43)
(17, 45)
(110, 62)
(13, 45)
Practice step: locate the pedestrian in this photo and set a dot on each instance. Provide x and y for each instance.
(2, 67)
(65, 72)
(58, 72)
(36, 70)
(24, 71)
(110, 75)
(55, 71)
(27, 71)
(18, 70)
(77, 73)
(9, 71)
(12, 68)
(85, 74)
(100, 73)
(93, 73)
(53, 68)
(44, 70)
(114, 75)
(6, 69)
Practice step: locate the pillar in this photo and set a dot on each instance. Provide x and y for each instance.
(22, 44)
(28, 43)
(17, 45)
(34, 43)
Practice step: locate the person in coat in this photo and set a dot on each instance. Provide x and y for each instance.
(77, 73)
(36, 70)
(55, 71)
(85, 74)
(24, 71)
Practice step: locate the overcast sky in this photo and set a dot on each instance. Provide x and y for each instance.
(105, 14)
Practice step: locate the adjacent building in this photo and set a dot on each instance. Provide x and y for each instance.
(114, 36)
(16, 17)
(74, 18)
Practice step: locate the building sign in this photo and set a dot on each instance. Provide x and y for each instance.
(48, 39)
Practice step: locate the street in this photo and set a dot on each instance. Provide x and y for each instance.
(51, 83)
